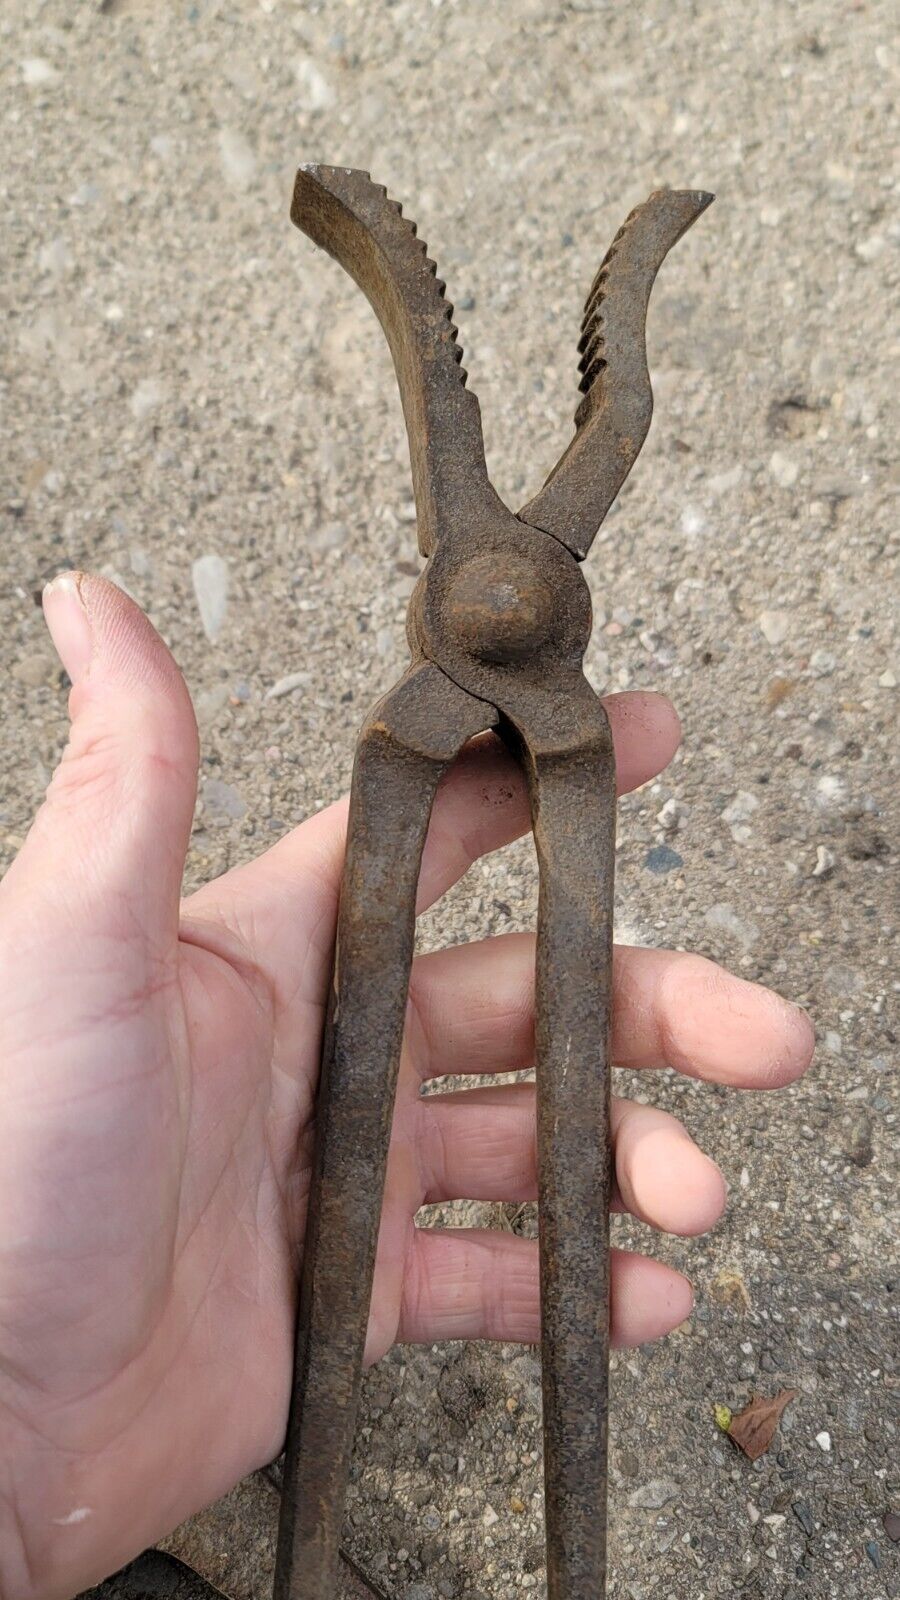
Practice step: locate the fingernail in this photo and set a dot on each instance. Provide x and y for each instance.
(68, 622)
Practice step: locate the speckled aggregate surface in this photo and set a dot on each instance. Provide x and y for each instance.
(185, 380)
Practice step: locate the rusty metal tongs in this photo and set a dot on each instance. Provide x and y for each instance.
(498, 624)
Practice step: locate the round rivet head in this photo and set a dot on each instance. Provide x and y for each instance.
(501, 608)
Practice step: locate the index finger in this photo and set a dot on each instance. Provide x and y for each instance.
(288, 896)
(482, 802)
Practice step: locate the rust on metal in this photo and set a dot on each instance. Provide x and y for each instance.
(498, 625)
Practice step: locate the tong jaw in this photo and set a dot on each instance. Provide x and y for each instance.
(613, 418)
(356, 222)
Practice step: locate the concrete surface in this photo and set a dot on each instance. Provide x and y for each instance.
(184, 379)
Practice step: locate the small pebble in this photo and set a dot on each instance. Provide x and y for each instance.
(774, 626)
(741, 808)
(822, 663)
(237, 159)
(830, 790)
(722, 482)
(140, 562)
(221, 802)
(891, 1524)
(804, 1516)
(163, 146)
(783, 469)
(826, 861)
(693, 521)
(147, 398)
(36, 72)
(286, 685)
(672, 815)
(315, 90)
(868, 250)
(33, 670)
(723, 916)
(859, 1146)
(655, 1494)
(87, 194)
(823, 1440)
(210, 579)
(55, 256)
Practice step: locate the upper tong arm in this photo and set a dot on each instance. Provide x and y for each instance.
(613, 417)
(354, 220)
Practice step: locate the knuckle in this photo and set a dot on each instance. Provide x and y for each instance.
(88, 771)
(685, 988)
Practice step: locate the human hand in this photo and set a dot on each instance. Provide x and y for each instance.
(159, 1071)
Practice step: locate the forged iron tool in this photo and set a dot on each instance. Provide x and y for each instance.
(497, 626)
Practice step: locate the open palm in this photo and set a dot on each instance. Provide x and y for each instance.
(159, 1067)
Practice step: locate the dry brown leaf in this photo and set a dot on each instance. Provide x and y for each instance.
(753, 1428)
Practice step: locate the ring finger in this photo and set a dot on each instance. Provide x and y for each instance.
(479, 1144)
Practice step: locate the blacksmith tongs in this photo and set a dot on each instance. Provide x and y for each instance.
(498, 625)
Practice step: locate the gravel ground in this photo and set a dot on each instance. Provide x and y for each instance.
(186, 381)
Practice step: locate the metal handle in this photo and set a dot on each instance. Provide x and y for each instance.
(573, 797)
(406, 744)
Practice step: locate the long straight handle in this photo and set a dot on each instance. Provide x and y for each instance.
(573, 795)
(407, 743)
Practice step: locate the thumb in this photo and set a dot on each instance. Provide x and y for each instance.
(107, 848)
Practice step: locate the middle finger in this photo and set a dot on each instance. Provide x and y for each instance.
(472, 1011)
